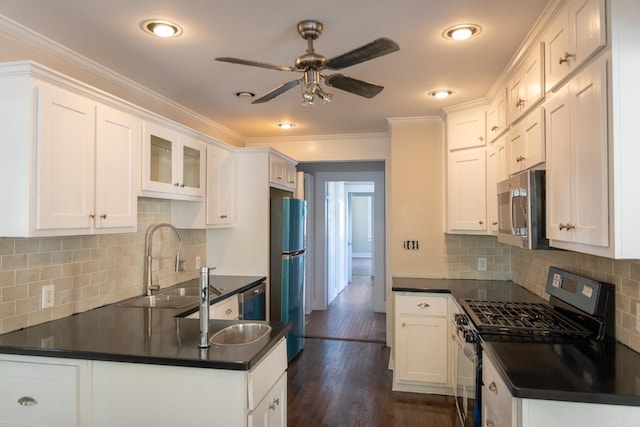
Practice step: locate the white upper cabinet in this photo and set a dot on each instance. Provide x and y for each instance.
(282, 173)
(497, 115)
(173, 164)
(525, 143)
(466, 196)
(221, 187)
(73, 162)
(496, 172)
(466, 128)
(526, 85)
(575, 35)
(577, 165)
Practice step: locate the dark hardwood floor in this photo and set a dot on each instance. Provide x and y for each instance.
(342, 376)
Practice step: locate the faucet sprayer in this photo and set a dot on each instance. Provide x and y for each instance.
(152, 230)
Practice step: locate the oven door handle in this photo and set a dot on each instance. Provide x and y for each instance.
(469, 354)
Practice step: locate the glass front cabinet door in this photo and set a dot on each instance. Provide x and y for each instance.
(173, 163)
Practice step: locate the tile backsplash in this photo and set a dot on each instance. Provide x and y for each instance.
(462, 253)
(89, 271)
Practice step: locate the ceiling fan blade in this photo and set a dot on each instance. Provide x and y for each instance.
(255, 64)
(349, 84)
(376, 48)
(276, 91)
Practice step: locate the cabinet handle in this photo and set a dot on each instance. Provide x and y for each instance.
(567, 55)
(480, 222)
(423, 305)
(182, 185)
(493, 387)
(223, 216)
(228, 312)
(274, 404)
(292, 182)
(103, 216)
(567, 226)
(490, 423)
(27, 401)
(92, 215)
(520, 103)
(520, 159)
(495, 128)
(494, 223)
(177, 184)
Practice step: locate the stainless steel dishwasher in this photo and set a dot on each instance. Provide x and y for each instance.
(252, 303)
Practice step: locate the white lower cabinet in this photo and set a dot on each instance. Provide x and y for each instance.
(422, 344)
(133, 394)
(500, 408)
(272, 410)
(40, 391)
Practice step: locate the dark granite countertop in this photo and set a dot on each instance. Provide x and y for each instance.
(142, 335)
(592, 372)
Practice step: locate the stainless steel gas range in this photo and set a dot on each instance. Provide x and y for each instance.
(580, 310)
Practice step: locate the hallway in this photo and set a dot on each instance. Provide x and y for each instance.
(342, 377)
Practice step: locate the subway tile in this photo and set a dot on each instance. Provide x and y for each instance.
(7, 246)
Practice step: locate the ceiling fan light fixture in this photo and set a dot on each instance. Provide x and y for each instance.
(441, 93)
(462, 32)
(161, 28)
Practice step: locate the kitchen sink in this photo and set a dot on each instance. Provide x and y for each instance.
(242, 333)
(161, 301)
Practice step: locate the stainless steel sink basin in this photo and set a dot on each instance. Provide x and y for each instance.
(242, 333)
(160, 301)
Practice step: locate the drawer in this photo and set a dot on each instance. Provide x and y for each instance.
(266, 374)
(495, 393)
(227, 309)
(38, 394)
(422, 305)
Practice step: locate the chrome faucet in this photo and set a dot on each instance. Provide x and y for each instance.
(152, 230)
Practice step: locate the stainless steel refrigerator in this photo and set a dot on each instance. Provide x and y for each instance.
(287, 266)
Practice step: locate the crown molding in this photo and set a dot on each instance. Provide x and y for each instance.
(38, 41)
(317, 138)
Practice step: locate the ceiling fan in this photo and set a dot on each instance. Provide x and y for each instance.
(310, 64)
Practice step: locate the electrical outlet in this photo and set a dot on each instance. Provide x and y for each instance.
(482, 264)
(638, 317)
(197, 263)
(47, 296)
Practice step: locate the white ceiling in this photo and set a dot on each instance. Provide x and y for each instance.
(184, 70)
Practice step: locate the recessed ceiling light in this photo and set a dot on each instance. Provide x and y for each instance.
(462, 32)
(245, 94)
(161, 28)
(441, 93)
(286, 125)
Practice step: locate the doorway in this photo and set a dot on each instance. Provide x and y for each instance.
(346, 223)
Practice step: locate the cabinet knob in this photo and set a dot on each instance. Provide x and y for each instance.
(423, 305)
(481, 222)
(177, 184)
(481, 138)
(182, 185)
(495, 128)
(404, 325)
(567, 55)
(520, 103)
(493, 387)
(494, 223)
(27, 401)
(490, 423)
(228, 312)
(92, 215)
(103, 216)
(520, 159)
(274, 404)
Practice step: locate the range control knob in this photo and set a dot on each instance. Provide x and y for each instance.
(470, 336)
(460, 319)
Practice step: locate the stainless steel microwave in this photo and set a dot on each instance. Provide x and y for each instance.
(521, 210)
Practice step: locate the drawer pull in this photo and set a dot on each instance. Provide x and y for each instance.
(274, 404)
(228, 312)
(493, 387)
(27, 401)
(423, 305)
